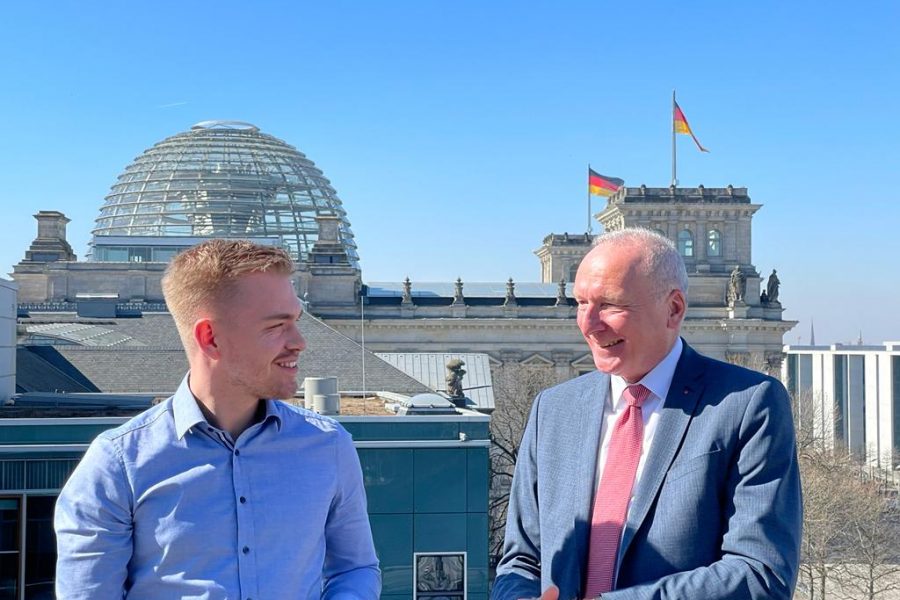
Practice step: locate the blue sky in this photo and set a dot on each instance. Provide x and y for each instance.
(457, 134)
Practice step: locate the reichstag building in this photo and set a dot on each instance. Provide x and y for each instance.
(229, 179)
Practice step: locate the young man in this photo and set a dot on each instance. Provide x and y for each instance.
(664, 474)
(221, 491)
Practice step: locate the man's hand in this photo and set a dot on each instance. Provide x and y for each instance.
(551, 593)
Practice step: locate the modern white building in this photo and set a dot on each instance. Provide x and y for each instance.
(849, 396)
(7, 339)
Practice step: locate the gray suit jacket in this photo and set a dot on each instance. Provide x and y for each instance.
(717, 512)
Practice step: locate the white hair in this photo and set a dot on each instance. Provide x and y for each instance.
(662, 260)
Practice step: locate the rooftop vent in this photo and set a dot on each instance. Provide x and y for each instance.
(321, 395)
(426, 404)
(96, 305)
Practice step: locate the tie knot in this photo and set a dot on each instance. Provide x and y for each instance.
(636, 395)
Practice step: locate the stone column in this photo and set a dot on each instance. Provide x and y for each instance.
(562, 366)
(700, 229)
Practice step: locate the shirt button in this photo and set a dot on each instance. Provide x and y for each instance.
(243, 500)
(245, 550)
(237, 452)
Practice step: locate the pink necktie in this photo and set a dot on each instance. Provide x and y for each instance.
(614, 493)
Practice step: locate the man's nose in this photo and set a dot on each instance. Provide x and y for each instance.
(297, 341)
(594, 318)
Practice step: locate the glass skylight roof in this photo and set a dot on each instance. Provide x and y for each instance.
(222, 179)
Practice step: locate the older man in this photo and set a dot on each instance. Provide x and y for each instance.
(663, 475)
(221, 491)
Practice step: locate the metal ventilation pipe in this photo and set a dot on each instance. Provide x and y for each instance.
(321, 386)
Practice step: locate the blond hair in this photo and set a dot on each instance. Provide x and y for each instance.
(203, 277)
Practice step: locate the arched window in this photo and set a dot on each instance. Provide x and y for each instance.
(685, 243)
(659, 231)
(714, 243)
(572, 271)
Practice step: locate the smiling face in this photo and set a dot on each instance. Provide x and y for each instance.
(629, 320)
(257, 337)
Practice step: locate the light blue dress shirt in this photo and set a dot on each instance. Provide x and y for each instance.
(168, 506)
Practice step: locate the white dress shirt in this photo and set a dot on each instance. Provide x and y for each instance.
(657, 381)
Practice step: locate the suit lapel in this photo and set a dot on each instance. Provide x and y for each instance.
(588, 420)
(675, 415)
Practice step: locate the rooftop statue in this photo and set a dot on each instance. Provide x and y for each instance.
(737, 286)
(772, 286)
(455, 374)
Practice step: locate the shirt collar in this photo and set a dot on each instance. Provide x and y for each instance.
(187, 413)
(273, 412)
(658, 380)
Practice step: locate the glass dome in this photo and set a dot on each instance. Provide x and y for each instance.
(219, 179)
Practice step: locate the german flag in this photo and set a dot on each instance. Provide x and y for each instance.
(680, 124)
(601, 185)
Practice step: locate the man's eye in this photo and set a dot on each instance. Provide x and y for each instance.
(609, 308)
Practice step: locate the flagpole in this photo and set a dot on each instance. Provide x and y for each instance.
(589, 229)
(674, 176)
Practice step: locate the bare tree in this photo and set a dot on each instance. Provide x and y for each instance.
(747, 360)
(850, 525)
(829, 483)
(873, 537)
(826, 473)
(515, 387)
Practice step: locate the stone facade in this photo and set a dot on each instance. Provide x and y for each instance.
(328, 277)
(551, 339)
(7, 339)
(546, 334)
(66, 281)
(712, 228)
(560, 255)
(50, 244)
(718, 238)
(511, 322)
(695, 212)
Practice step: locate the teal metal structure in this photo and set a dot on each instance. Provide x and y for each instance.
(426, 480)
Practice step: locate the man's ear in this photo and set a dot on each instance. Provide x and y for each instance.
(205, 338)
(677, 305)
